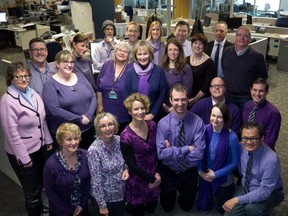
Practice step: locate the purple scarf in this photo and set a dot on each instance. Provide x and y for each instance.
(156, 48)
(144, 75)
(206, 189)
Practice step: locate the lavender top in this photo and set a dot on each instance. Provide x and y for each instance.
(141, 158)
(106, 168)
(68, 103)
(106, 83)
(267, 115)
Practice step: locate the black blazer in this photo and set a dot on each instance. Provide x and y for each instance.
(209, 47)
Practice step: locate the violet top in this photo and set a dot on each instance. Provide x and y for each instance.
(267, 115)
(63, 186)
(106, 168)
(83, 65)
(68, 103)
(106, 84)
(24, 126)
(141, 158)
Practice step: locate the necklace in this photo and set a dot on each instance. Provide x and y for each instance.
(70, 163)
(195, 60)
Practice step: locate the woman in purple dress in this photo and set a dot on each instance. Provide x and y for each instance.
(138, 146)
(175, 68)
(110, 85)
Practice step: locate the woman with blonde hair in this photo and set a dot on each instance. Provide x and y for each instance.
(155, 39)
(66, 174)
(69, 97)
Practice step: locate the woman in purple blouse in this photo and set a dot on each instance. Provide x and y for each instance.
(138, 146)
(69, 97)
(110, 85)
(66, 175)
(155, 39)
(107, 168)
(176, 69)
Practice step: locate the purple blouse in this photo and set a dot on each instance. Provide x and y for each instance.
(106, 83)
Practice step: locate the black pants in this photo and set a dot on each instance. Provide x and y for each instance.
(140, 210)
(31, 181)
(114, 208)
(183, 183)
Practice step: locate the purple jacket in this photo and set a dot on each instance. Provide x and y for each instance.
(25, 129)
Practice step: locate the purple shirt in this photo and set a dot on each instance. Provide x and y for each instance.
(59, 181)
(69, 103)
(185, 78)
(158, 52)
(106, 83)
(267, 115)
(106, 168)
(39, 78)
(194, 135)
(145, 161)
(83, 65)
(203, 107)
(265, 176)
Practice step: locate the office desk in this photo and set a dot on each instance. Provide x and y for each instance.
(22, 38)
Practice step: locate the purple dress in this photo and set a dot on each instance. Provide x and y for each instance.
(144, 166)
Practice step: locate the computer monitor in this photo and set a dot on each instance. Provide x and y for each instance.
(207, 21)
(249, 19)
(234, 23)
(223, 17)
(3, 17)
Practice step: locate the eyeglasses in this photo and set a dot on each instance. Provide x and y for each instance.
(251, 139)
(20, 77)
(68, 62)
(217, 86)
(38, 50)
(104, 126)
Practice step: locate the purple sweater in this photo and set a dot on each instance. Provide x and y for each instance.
(105, 85)
(69, 103)
(25, 129)
(58, 184)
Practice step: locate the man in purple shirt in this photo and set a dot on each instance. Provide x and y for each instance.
(179, 149)
(262, 191)
(203, 107)
(265, 112)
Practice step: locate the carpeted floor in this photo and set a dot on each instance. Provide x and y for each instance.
(11, 198)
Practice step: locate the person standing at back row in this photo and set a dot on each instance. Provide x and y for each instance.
(211, 49)
(241, 66)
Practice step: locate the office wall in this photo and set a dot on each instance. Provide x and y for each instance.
(284, 5)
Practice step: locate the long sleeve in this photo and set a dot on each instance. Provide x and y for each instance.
(129, 158)
(272, 129)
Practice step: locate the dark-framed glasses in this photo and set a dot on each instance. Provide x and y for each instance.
(251, 139)
(36, 50)
(20, 77)
(217, 86)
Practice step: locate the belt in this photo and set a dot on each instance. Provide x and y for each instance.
(178, 172)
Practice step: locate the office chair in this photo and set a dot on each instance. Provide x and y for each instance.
(53, 48)
(282, 22)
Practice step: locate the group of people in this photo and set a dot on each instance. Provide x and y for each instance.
(170, 121)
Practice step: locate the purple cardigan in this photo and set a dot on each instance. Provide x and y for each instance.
(25, 129)
(58, 184)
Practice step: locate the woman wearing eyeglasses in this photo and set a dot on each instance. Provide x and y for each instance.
(107, 167)
(69, 97)
(221, 157)
(25, 131)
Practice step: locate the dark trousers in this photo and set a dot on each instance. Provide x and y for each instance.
(223, 194)
(87, 138)
(31, 181)
(114, 208)
(184, 183)
(140, 210)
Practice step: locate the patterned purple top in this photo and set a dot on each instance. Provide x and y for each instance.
(141, 157)
(106, 168)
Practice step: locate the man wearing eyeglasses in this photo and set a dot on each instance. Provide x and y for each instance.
(203, 107)
(261, 186)
(260, 110)
(241, 66)
(40, 69)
